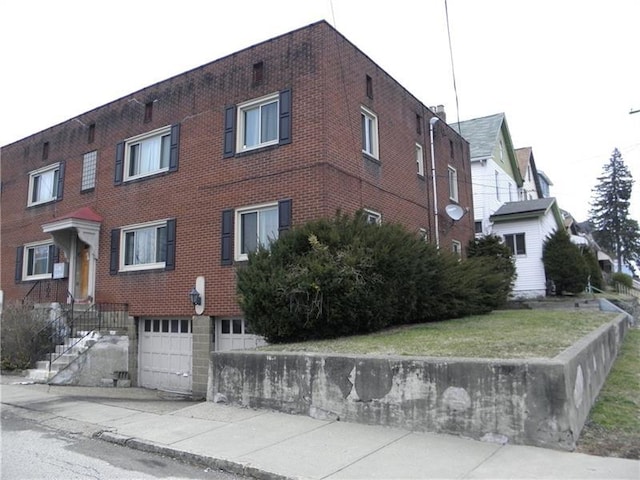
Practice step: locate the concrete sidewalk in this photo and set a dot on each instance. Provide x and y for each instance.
(266, 444)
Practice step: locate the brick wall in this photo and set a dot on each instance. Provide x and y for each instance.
(322, 170)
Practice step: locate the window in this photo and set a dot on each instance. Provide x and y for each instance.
(91, 134)
(45, 151)
(369, 86)
(369, 132)
(456, 247)
(497, 182)
(258, 123)
(38, 261)
(147, 154)
(420, 159)
(478, 227)
(372, 217)
(243, 230)
(501, 151)
(89, 165)
(453, 184)
(45, 184)
(142, 247)
(255, 227)
(418, 124)
(515, 242)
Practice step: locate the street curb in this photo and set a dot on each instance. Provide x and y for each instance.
(230, 466)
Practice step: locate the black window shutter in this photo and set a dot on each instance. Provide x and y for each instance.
(285, 116)
(60, 186)
(175, 146)
(19, 257)
(226, 257)
(170, 259)
(284, 215)
(229, 131)
(54, 256)
(115, 251)
(119, 163)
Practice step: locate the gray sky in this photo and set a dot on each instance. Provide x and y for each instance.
(565, 73)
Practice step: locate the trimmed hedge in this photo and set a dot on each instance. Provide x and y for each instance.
(344, 276)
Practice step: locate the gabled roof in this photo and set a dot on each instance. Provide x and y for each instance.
(481, 133)
(544, 177)
(525, 157)
(527, 209)
(84, 213)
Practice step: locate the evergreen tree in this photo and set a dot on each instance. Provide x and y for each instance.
(500, 270)
(564, 263)
(609, 215)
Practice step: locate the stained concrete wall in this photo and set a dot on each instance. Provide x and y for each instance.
(96, 366)
(535, 401)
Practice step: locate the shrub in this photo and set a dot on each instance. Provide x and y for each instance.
(622, 278)
(21, 335)
(564, 263)
(343, 276)
(497, 269)
(595, 272)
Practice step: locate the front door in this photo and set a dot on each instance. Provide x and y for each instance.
(82, 271)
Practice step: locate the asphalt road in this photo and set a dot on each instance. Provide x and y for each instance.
(30, 451)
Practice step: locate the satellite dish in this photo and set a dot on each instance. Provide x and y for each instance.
(454, 211)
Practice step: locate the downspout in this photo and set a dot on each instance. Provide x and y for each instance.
(432, 122)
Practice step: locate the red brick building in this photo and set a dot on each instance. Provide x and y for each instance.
(139, 197)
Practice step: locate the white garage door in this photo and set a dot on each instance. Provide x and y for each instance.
(165, 358)
(234, 334)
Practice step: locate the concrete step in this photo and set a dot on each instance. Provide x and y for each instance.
(38, 376)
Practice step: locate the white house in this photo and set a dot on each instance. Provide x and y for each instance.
(495, 173)
(525, 226)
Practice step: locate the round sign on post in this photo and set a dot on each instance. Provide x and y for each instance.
(200, 288)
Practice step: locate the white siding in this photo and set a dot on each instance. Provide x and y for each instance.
(531, 280)
(485, 201)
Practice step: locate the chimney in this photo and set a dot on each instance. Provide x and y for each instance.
(439, 111)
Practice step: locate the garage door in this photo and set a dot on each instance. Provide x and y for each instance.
(234, 334)
(165, 357)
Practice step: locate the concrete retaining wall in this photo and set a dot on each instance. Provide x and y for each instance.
(95, 367)
(541, 402)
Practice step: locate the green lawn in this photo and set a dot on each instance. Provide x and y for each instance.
(500, 334)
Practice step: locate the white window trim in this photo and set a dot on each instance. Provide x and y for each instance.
(158, 132)
(453, 186)
(238, 226)
(456, 247)
(122, 253)
(515, 243)
(372, 214)
(38, 172)
(256, 102)
(25, 261)
(420, 159)
(374, 134)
